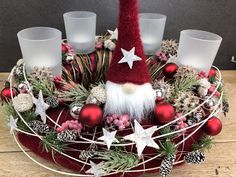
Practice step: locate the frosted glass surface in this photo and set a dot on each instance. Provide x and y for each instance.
(41, 47)
(81, 30)
(198, 49)
(152, 28)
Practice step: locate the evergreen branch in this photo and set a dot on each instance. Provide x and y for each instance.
(167, 130)
(167, 148)
(46, 86)
(118, 160)
(50, 141)
(205, 143)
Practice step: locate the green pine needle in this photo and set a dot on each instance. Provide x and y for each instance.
(205, 143)
(118, 160)
(167, 148)
(183, 84)
(167, 130)
(50, 141)
(46, 86)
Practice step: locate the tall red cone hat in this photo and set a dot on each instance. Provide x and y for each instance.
(128, 38)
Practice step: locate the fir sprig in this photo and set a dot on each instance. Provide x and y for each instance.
(73, 93)
(50, 141)
(118, 160)
(46, 86)
(183, 84)
(167, 148)
(205, 143)
(167, 130)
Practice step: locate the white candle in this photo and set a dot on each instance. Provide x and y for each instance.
(152, 29)
(41, 47)
(198, 49)
(81, 30)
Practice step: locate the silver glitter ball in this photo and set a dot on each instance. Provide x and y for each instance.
(70, 57)
(75, 110)
(211, 102)
(22, 87)
(159, 92)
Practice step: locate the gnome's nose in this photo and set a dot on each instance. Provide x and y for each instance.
(129, 88)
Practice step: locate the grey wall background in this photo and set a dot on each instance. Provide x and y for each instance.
(218, 16)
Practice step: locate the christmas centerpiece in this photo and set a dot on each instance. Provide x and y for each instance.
(115, 111)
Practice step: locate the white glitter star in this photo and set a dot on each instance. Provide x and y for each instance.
(142, 137)
(12, 123)
(114, 34)
(129, 57)
(41, 106)
(108, 137)
(96, 169)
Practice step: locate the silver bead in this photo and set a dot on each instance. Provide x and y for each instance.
(75, 110)
(159, 92)
(211, 102)
(70, 57)
(22, 87)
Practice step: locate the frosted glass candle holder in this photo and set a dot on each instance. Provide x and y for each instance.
(152, 28)
(41, 47)
(198, 49)
(81, 30)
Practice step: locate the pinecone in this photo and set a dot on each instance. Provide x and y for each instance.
(52, 101)
(186, 102)
(43, 73)
(186, 72)
(99, 93)
(169, 47)
(195, 157)
(167, 165)
(39, 127)
(67, 135)
(195, 118)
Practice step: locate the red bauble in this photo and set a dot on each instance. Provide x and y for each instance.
(164, 112)
(213, 126)
(90, 115)
(170, 69)
(212, 73)
(64, 49)
(6, 93)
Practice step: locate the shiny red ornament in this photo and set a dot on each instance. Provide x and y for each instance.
(90, 115)
(212, 73)
(213, 126)
(170, 69)
(6, 93)
(164, 112)
(64, 49)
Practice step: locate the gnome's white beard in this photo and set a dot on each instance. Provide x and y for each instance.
(136, 104)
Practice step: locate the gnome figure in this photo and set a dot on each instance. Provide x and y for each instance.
(128, 87)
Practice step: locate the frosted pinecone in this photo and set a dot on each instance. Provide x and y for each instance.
(195, 157)
(169, 47)
(39, 127)
(161, 84)
(43, 73)
(167, 165)
(186, 72)
(195, 118)
(186, 102)
(67, 135)
(225, 108)
(99, 93)
(52, 101)
(18, 71)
